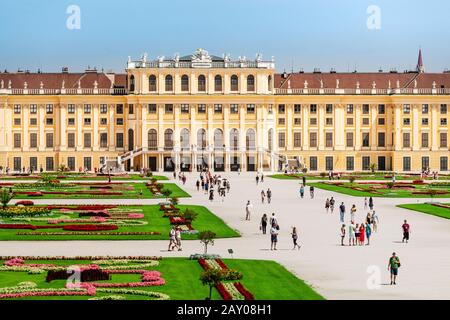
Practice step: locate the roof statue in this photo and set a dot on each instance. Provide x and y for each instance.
(398, 84)
(9, 84)
(258, 57)
(95, 84)
(201, 55)
(321, 84)
(357, 84)
(41, 85)
(389, 86)
(177, 57)
(374, 85)
(337, 83)
(415, 83)
(144, 57)
(25, 85)
(79, 84)
(304, 84)
(434, 84)
(63, 84)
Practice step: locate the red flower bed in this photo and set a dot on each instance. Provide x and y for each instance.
(203, 264)
(26, 226)
(24, 203)
(247, 294)
(82, 207)
(221, 264)
(32, 193)
(418, 182)
(177, 220)
(223, 292)
(87, 233)
(90, 227)
(95, 213)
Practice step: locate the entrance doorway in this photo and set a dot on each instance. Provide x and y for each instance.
(152, 163)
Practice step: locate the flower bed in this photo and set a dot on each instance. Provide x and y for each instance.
(24, 203)
(29, 211)
(151, 233)
(94, 213)
(90, 227)
(177, 220)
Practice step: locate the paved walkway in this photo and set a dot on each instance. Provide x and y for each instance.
(334, 271)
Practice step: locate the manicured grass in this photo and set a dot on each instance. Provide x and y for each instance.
(266, 280)
(357, 176)
(428, 209)
(389, 193)
(88, 177)
(129, 191)
(205, 220)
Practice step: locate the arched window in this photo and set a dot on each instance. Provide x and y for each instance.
(168, 139)
(251, 139)
(218, 139)
(234, 83)
(152, 139)
(132, 83)
(201, 139)
(169, 83)
(250, 83)
(218, 83)
(269, 83)
(184, 139)
(184, 83)
(270, 138)
(234, 139)
(152, 83)
(201, 83)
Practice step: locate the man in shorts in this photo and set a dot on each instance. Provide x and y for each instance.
(405, 228)
(393, 265)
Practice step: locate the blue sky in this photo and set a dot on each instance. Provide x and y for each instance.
(305, 34)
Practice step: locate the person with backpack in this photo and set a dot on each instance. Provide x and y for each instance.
(342, 212)
(393, 265)
(311, 192)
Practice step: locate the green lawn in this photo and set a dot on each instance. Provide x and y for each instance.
(388, 193)
(81, 176)
(428, 209)
(357, 176)
(266, 280)
(205, 220)
(128, 190)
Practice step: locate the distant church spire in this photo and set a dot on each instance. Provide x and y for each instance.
(420, 66)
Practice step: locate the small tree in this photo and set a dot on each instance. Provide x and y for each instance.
(390, 185)
(206, 238)
(373, 167)
(189, 215)
(5, 197)
(166, 193)
(211, 277)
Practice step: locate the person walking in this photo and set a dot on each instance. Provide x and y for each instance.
(274, 236)
(365, 203)
(342, 234)
(368, 218)
(311, 192)
(371, 203)
(368, 233)
(393, 265)
(178, 238)
(294, 235)
(406, 231)
(362, 233)
(172, 242)
(228, 186)
(273, 219)
(351, 234)
(357, 234)
(302, 191)
(197, 184)
(332, 201)
(263, 196)
(263, 226)
(342, 212)
(248, 209)
(374, 221)
(269, 195)
(257, 179)
(304, 180)
(262, 177)
(327, 205)
(352, 213)
(211, 195)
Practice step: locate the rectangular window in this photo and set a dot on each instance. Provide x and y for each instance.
(103, 121)
(201, 108)
(234, 108)
(349, 121)
(281, 109)
(328, 163)
(406, 164)
(365, 163)
(33, 140)
(381, 121)
(87, 121)
(33, 108)
(49, 164)
(17, 121)
(366, 121)
(350, 163)
(313, 121)
(119, 140)
(406, 109)
(424, 121)
(297, 139)
(131, 109)
(313, 108)
(71, 140)
(17, 163)
(87, 162)
(349, 109)
(71, 163)
(70, 108)
(329, 109)
(443, 109)
(329, 121)
(119, 108)
(103, 140)
(365, 139)
(87, 140)
(217, 108)
(49, 121)
(184, 108)
(297, 121)
(17, 109)
(251, 108)
(425, 163)
(425, 140)
(168, 108)
(33, 121)
(33, 163)
(119, 121)
(152, 108)
(17, 140)
(443, 163)
(349, 139)
(329, 139)
(406, 121)
(281, 139)
(365, 109)
(281, 121)
(443, 140)
(381, 109)
(313, 163)
(297, 108)
(424, 109)
(443, 121)
(49, 109)
(406, 140)
(71, 121)
(49, 140)
(313, 139)
(103, 108)
(381, 140)
(87, 108)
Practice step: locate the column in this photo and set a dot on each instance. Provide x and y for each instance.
(226, 135)
(305, 127)
(41, 123)
(242, 137)
(398, 125)
(339, 127)
(79, 142)
(434, 127)
(25, 124)
(289, 120)
(111, 126)
(357, 134)
(321, 126)
(415, 138)
(95, 120)
(373, 127)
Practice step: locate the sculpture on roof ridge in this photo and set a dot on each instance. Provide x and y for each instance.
(25, 85)
(357, 84)
(177, 57)
(41, 85)
(337, 83)
(9, 84)
(201, 55)
(258, 57)
(321, 83)
(144, 57)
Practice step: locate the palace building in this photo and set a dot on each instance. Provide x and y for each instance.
(203, 111)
